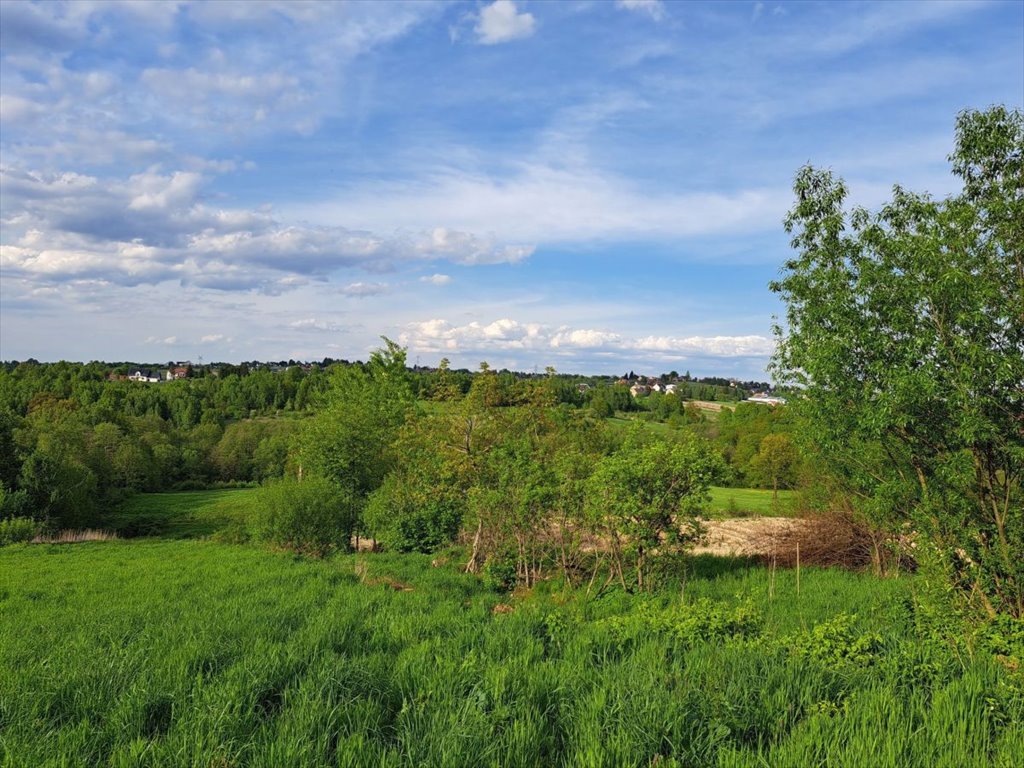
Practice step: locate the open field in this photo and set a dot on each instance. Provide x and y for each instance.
(183, 514)
(745, 502)
(182, 653)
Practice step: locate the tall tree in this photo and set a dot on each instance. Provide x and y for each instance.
(350, 440)
(905, 327)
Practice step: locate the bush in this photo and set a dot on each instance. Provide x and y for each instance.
(315, 515)
(409, 514)
(13, 503)
(15, 530)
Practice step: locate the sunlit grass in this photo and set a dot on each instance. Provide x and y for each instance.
(183, 653)
(184, 514)
(744, 502)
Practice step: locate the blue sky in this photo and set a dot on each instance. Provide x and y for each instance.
(597, 186)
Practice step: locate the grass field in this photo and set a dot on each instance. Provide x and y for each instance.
(186, 514)
(744, 502)
(194, 653)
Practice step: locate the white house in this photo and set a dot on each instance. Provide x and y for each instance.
(143, 376)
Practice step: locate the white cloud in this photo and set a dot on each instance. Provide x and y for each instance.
(315, 324)
(500, 22)
(361, 290)
(719, 346)
(653, 8)
(543, 202)
(213, 338)
(153, 227)
(504, 335)
(167, 341)
(584, 339)
(436, 279)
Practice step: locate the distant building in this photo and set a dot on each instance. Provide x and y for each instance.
(638, 390)
(144, 376)
(766, 399)
(176, 373)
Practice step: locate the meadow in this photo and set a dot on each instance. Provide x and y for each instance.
(192, 652)
(184, 514)
(747, 502)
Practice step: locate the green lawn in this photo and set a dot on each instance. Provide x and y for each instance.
(185, 514)
(746, 502)
(194, 653)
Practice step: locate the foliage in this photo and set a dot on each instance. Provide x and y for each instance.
(350, 439)
(905, 329)
(836, 642)
(315, 515)
(15, 530)
(648, 495)
(776, 462)
(417, 508)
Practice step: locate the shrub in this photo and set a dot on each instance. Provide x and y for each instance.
(15, 530)
(315, 515)
(414, 512)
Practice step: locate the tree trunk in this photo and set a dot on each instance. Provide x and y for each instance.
(473, 566)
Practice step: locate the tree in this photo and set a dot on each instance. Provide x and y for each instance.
(775, 462)
(905, 329)
(350, 440)
(420, 505)
(648, 495)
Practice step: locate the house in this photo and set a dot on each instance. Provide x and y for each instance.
(146, 376)
(657, 387)
(670, 389)
(639, 390)
(176, 373)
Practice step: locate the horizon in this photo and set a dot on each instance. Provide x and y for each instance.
(592, 186)
(412, 366)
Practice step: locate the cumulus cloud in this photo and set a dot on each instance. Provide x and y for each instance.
(436, 279)
(155, 226)
(719, 346)
(653, 8)
(500, 22)
(504, 335)
(213, 338)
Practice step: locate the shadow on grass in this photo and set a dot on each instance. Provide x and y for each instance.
(706, 566)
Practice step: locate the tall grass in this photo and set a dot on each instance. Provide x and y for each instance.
(177, 653)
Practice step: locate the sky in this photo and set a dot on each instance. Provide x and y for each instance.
(595, 186)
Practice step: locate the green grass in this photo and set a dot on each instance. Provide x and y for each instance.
(185, 514)
(195, 653)
(744, 502)
(659, 428)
